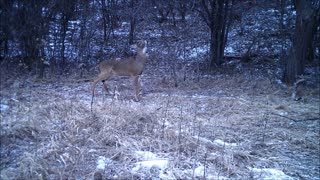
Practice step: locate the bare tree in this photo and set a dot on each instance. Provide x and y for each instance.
(168, 10)
(6, 27)
(307, 21)
(109, 17)
(67, 9)
(133, 19)
(134, 13)
(217, 15)
(182, 8)
(25, 24)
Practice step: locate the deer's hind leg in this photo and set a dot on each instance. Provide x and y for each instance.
(101, 77)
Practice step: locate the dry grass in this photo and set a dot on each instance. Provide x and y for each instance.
(48, 131)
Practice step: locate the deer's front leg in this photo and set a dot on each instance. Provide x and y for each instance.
(136, 87)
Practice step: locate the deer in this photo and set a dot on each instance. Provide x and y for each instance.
(130, 66)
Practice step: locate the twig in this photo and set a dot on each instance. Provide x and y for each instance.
(296, 120)
(295, 93)
(205, 164)
(165, 115)
(180, 130)
(265, 126)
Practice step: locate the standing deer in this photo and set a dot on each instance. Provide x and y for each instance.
(131, 66)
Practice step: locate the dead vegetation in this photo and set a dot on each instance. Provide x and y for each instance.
(217, 126)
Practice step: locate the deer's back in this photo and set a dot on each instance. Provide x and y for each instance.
(123, 67)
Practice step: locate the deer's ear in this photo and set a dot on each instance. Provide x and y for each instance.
(141, 43)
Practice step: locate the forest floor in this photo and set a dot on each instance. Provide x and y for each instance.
(221, 125)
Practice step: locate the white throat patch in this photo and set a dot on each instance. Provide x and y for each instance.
(144, 50)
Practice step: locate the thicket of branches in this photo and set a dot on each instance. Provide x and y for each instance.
(59, 32)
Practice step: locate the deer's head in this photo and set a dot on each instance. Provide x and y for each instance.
(141, 45)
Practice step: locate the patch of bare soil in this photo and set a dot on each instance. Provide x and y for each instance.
(222, 126)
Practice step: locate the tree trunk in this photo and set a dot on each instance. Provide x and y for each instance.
(212, 50)
(64, 29)
(133, 21)
(219, 21)
(104, 19)
(303, 36)
(132, 27)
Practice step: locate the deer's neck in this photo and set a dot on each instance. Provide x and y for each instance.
(142, 56)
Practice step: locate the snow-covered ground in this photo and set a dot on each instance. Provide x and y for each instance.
(200, 129)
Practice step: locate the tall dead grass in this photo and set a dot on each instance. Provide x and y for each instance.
(219, 126)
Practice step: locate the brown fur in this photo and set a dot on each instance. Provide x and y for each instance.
(130, 66)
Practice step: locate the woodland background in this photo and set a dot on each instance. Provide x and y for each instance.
(63, 34)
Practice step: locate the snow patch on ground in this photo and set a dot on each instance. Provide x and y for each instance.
(229, 50)
(267, 173)
(102, 162)
(204, 140)
(199, 172)
(194, 52)
(3, 108)
(216, 142)
(162, 164)
(145, 155)
(150, 160)
(222, 143)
